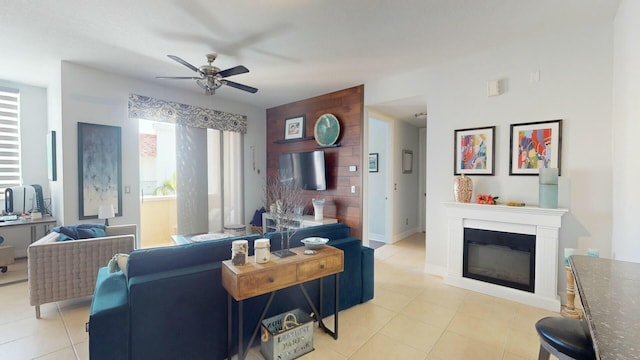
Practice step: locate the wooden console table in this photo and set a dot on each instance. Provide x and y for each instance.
(251, 279)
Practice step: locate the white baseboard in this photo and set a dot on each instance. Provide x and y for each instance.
(403, 235)
(376, 237)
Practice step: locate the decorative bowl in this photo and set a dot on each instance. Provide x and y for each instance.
(314, 243)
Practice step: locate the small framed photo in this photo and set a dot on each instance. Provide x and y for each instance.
(407, 161)
(474, 151)
(373, 162)
(294, 128)
(534, 146)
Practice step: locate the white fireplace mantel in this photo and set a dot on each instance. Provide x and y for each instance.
(543, 223)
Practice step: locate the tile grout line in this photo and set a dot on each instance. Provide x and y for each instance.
(66, 329)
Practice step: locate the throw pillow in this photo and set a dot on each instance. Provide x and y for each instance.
(119, 262)
(81, 231)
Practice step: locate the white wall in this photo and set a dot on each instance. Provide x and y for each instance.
(575, 85)
(33, 131)
(379, 134)
(626, 127)
(54, 122)
(93, 96)
(406, 199)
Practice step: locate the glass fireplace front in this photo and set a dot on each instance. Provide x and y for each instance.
(500, 258)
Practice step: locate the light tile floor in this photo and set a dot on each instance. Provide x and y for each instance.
(413, 316)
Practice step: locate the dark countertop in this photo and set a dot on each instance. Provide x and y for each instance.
(610, 294)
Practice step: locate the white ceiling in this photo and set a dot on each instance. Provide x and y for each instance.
(295, 49)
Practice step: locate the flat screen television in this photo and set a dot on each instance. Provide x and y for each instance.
(304, 169)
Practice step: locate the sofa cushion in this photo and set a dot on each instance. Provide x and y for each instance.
(149, 261)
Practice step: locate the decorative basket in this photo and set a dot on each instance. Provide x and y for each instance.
(287, 336)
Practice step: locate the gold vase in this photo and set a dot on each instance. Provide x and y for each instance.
(462, 189)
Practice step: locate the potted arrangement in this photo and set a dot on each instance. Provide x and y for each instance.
(283, 199)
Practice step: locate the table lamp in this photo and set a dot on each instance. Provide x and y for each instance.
(106, 212)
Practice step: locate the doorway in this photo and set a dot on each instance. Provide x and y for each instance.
(158, 207)
(380, 180)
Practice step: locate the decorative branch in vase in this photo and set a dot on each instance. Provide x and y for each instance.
(283, 198)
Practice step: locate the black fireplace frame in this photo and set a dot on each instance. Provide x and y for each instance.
(524, 242)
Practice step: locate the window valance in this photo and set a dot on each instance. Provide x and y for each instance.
(145, 107)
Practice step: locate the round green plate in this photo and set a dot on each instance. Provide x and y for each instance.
(327, 130)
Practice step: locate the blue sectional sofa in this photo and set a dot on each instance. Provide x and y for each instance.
(171, 303)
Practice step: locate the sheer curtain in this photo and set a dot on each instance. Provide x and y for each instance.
(224, 174)
(208, 161)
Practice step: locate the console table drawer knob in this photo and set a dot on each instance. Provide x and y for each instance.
(321, 266)
(271, 279)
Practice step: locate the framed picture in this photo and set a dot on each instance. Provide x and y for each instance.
(99, 169)
(373, 162)
(294, 128)
(534, 146)
(474, 151)
(51, 156)
(407, 161)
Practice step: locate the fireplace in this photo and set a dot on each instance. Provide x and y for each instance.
(541, 265)
(501, 258)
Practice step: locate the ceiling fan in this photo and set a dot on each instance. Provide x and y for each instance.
(210, 77)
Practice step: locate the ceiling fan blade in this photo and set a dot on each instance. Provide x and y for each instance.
(240, 86)
(233, 71)
(178, 77)
(175, 58)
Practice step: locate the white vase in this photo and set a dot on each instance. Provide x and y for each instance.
(318, 207)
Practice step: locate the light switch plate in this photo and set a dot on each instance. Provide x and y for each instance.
(353, 168)
(353, 189)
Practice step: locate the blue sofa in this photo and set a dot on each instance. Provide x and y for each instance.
(171, 304)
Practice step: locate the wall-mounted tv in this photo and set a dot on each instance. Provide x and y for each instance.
(305, 169)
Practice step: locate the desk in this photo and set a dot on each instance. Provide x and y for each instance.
(610, 293)
(249, 280)
(22, 233)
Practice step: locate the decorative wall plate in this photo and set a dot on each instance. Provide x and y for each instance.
(326, 130)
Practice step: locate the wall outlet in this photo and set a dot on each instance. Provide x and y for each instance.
(353, 189)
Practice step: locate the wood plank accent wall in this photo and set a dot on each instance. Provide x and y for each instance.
(348, 106)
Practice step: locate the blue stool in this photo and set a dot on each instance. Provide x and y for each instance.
(566, 339)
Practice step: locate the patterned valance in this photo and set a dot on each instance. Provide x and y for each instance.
(144, 107)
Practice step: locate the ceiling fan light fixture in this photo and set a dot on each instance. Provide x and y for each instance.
(211, 77)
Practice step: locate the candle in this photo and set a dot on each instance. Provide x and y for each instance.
(568, 252)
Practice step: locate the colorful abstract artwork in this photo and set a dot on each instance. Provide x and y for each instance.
(99, 169)
(535, 146)
(474, 151)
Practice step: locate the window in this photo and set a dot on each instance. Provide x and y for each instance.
(10, 174)
(157, 158)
